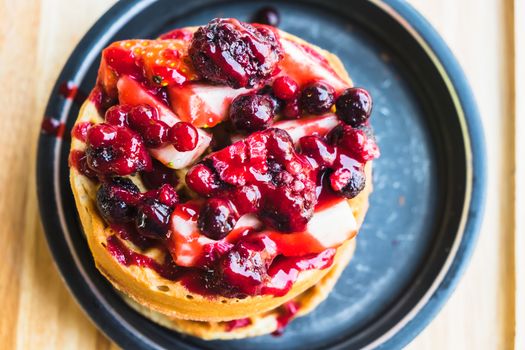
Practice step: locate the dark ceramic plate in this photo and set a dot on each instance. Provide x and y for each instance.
(429, 182)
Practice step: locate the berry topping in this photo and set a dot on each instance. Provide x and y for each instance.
(159, 176)
(291, 109)
(353, 106)
(118, 115)
(355, 142)
(348, 181)
(267, 15)
(245, 266)
(184, 137)
(78, 159)
(203, 180)
(267, 160)
(252, 112)
(155, 134)
(285, 88)
(217, 218)
(153, 218)
(319, 151)
(160, 62)
(167, 195)
(154, 211)
(317, 98)
(116, 150)
(247, 199)
(141, 116)
(116, 200)
(230, 52)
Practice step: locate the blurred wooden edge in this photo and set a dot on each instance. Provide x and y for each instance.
(519, 115)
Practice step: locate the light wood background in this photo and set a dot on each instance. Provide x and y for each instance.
(37, 311)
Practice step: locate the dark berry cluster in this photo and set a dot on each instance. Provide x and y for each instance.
(119, 201)
(230, 52)
(261, 174)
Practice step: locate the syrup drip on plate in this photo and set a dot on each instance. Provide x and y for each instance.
(53, 127)
(71, 92)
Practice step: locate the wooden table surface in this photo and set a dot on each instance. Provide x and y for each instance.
(36, 38)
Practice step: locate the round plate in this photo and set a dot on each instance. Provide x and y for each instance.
(428, 184)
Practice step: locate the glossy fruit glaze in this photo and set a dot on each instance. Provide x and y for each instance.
(287, 313)
(248, 214)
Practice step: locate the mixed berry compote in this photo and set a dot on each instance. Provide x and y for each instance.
(233, 148)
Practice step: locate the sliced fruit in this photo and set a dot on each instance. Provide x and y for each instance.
(132, 93)
(305, 65)
(314, 126)
(202, 105)
(328, 228)
(186, 243)
(310, 126)
(161, 62)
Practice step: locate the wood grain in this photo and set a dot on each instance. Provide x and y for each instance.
(519, 249)
(36, 37)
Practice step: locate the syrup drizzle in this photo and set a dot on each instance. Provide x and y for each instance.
(288, 311)
(70, 91)
(127, 257)
(53, 127)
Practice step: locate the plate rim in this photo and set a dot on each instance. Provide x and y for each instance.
(465, 103)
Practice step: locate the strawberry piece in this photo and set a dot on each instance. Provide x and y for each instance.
(132, 93)
(160, 62)
(202, 105)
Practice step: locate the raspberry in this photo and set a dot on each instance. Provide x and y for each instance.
(277, 182)
(229, 52)
(358, 144)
